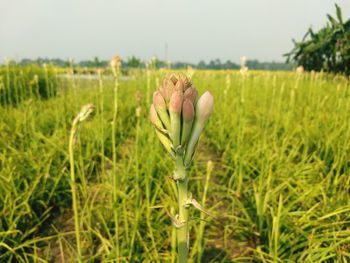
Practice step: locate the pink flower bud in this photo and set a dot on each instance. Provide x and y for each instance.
(168, 91)
(158, 101)
(204, 106)
(175, 108)
(175, 104)
(187, 116)
(161, 90)
(187, 111)
(169, 84)
(191, 94)
(177, 117)
(179, 86)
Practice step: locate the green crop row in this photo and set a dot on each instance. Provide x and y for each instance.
(27, 82)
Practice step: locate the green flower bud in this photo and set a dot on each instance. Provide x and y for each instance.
(165, 141)
(153, 116)
(204, 108)
(160, 106)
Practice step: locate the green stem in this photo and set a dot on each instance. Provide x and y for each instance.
(102, 123)
(148, 73)
(114, 157)
(8, 83)
(182, 231)
(73, 186)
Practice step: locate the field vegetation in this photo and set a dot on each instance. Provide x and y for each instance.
(272, 169)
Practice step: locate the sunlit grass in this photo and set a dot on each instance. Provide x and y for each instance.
(280, 147)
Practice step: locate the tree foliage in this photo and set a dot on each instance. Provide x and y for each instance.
(327, 50)
(135, 62)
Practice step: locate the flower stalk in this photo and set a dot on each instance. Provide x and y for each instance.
(182, 229)
(84, 113)
(115, 64)
(179, 120)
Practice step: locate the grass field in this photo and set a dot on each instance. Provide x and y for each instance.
(272, 167)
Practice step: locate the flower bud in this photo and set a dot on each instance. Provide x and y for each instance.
(175, 107)
(162, 92)
(158, 101)
(115, 64)
(85, 112)
(160, 106)
(179, 86)
(187, 117)
(186, 81)
(178, 117)
(187, 110)
(165, 141)
(175, 104)
(191, 94)
(204, 108)
(169, 84)
(173, 77)
(153, 116)
(168, 90)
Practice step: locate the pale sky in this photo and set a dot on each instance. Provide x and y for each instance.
(192, 29)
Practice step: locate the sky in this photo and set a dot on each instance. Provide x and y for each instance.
(192, 30)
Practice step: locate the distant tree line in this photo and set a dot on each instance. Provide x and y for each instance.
(327, 50)
(134, 62)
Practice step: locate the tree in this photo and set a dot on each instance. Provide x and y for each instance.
(133, 62)
(328, 49)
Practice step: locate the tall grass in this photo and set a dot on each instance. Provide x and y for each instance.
(27, 82)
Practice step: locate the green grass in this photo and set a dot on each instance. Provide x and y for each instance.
(19, 83)
(278, 190)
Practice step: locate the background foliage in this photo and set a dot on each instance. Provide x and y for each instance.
(327, 50)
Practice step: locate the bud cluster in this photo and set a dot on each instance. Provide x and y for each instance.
(85, 112)
(115, 64)
(179, 116)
